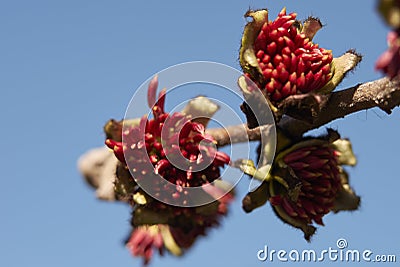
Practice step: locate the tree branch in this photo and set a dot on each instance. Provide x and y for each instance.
(234, 134)
(383, 93)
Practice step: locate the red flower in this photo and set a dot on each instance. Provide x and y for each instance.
(288, 62)
(143, 240)
(307, 181)
(389, 61)
(171, 146)
(178, 150)
(317, 168)
(158, 226)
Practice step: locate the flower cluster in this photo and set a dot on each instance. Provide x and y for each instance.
(291, 70)
(317, 168)
(281, 58)
(160, 227)
(144, 239)
(176, 150)
(290, 62)
(149, 147)
(306, 181)
(389, 61)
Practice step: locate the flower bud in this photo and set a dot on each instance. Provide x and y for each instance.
(316, 165)
(289, 62)
(305, 182)
(147, 148)
(281, 58)
(158, 226)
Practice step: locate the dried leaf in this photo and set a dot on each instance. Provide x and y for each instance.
(311, 26)
(247, 56)
(346, 155)
(346, 198)
(341, 66)
(98, 167)
(201, 109)
(256, 199)
(247, 166)
(390, 10)
(169, 241)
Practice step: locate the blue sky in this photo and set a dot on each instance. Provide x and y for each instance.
(68, 66)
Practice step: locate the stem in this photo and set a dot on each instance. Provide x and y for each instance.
(234, 134)
(383, 93)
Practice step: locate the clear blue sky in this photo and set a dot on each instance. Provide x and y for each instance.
(66, 67)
